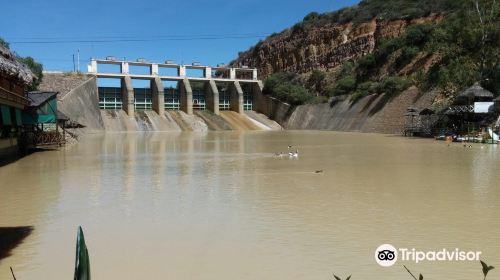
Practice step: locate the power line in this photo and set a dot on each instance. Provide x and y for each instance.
(65, 41)
(134, 36)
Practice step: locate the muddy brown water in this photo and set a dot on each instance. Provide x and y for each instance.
(220, 206)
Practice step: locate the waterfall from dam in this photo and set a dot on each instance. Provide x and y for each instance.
(200, 121)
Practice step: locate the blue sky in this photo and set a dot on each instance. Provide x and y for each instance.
(167, 29)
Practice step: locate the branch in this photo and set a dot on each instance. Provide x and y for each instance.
(12, 271)
(410, 272)
(479, 12)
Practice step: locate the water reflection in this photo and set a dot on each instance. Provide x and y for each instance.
(220, 206)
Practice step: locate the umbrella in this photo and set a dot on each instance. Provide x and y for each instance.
(82, 263)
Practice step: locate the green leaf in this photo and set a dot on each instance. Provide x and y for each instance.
(486, 268)
(349, 277)
(336, 277)
(420, 277)
(82, 262)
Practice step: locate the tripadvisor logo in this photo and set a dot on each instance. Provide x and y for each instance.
(387, 255)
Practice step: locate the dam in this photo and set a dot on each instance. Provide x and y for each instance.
(214, 88)
(120, 95)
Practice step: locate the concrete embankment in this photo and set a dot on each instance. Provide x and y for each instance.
(374, 113)
(238, 121)
(78, 98)
(118, 120)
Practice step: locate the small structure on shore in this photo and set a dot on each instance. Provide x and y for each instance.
(415, 122)
(470, 117)
(44, 125)
(15, 78)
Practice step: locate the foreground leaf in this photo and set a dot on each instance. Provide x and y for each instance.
(82, 262)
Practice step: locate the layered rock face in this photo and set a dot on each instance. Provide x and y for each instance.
(324, 47)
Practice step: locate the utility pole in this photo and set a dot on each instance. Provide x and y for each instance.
(73, 62)
(78, 61)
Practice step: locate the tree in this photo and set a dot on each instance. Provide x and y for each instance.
(4, 43)
(315, 81)
(35, 67)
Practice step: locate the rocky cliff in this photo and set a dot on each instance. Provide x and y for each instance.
(302, 50)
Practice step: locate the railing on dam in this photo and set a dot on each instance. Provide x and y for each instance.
(217, 88)
(181, 70)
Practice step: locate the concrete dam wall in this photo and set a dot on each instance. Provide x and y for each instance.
(374, 113)
(200, 121)
(78, 98)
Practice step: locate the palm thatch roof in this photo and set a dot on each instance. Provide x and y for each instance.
(476, 91)
(10, 67)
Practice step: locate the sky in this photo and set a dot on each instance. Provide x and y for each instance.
(206, 31)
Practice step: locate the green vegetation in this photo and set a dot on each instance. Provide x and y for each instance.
(82, 260)
(367, 10)
(286, 87)
(34, 66)
(466, 49)
(450, 55)
(4, 43)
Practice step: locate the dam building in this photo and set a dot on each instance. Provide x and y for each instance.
(196, 87)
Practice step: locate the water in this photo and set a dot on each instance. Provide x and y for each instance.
(220, 206)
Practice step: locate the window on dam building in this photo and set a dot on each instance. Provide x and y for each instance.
(224, 97)
(110, 98)
(247, 97)
(142, 99)
(198, 96)
(171, 95)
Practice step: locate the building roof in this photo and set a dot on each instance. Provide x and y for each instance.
(476, 91)
(426, 111)
(37, 98)
(10, 67)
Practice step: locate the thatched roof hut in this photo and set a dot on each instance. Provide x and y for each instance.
(426, 112)
(476, 91)
(411, 111)
(13, 69)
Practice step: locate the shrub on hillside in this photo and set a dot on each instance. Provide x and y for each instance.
(286, 87)
(407, 54)
(393, 85)
(343, 86)
(366, 64)
(293, 94)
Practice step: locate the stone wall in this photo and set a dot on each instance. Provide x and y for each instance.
(81, 103)
(62, 82)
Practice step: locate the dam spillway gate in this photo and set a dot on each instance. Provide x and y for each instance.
(214, 89)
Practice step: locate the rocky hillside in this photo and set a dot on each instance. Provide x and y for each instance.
(323, 47)
(380, 53)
